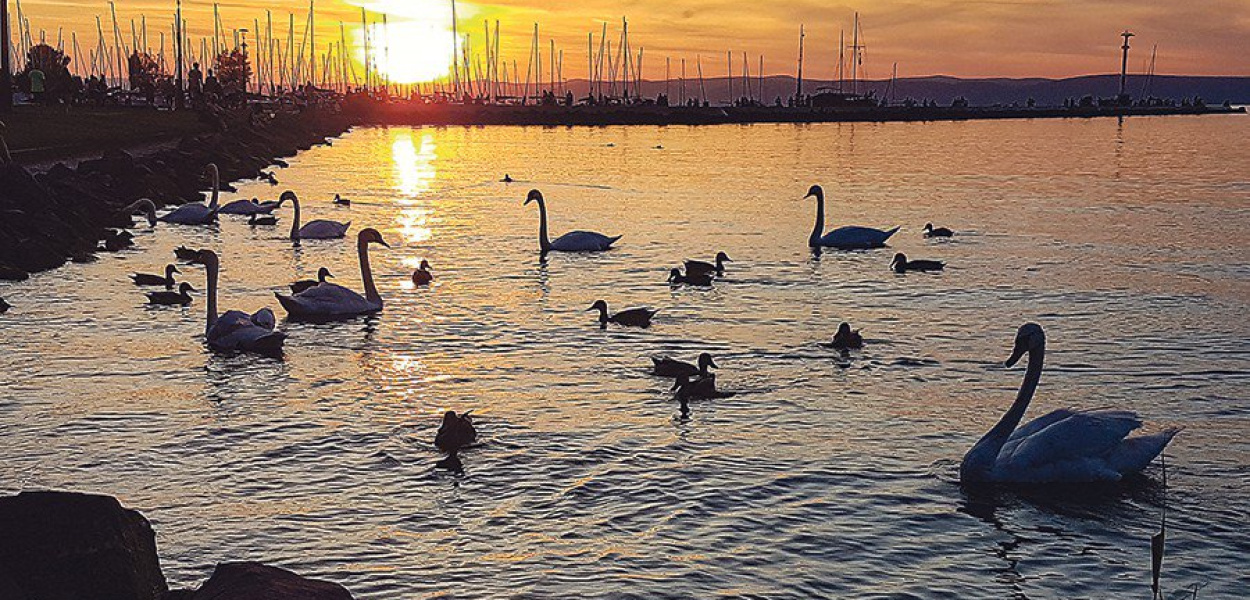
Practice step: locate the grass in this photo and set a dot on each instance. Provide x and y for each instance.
(43, 133)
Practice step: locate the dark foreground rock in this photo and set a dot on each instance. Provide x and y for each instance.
(64, 213)
(67, 546)
(254, 581)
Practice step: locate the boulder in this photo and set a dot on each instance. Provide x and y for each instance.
(69, 546)
(254, 581)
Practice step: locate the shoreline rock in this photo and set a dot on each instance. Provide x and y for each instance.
(64, 213)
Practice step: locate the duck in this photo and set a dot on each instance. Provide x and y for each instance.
(319, 229)
(261, 220)
(573, 241)
(182, 297)
(167, 280)
(698, 267)
(4, 306)
(1063, 446)
(698, 280)
(422, 275)
(186, 254)
(118, 239)
(237, 331)
(196, 213)
(900, 264)
(330, 301)
(851, 237)
(931, 232)
(143, 204)
(456, 433)
(668, 367)
(698, 388)
(269, 177)
(322, 275)
(846, 339)
(630, 317)
(341, 201)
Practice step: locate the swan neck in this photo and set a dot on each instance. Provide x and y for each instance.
(366, 274)
(1011, 419)
(212, 203)
(819, 228)
(212, 269)
(543, 242)
(295, 220)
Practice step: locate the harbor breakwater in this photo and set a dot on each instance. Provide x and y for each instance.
(68, 213)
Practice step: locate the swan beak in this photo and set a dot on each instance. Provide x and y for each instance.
(1015, 356)
(809, 195)
(676, 384)
(712, 363)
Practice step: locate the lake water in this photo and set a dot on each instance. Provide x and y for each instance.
(823, 476)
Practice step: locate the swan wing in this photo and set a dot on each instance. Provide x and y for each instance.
(578, 241)
(326, 300)
(1133, 454)
(189, 214)
(855, 237)
(1077, 436)
(322, 229)
(240, 207)
(235, 330)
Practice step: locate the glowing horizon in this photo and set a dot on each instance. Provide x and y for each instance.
(1019, 38)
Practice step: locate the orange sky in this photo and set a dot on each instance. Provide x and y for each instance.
(969, 38)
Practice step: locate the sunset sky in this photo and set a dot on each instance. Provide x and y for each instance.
(969, 38)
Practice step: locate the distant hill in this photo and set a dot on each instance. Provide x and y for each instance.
(944, 89)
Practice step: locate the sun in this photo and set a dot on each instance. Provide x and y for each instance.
(407, 52)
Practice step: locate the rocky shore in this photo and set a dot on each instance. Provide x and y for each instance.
(69, 546)
(69, 213)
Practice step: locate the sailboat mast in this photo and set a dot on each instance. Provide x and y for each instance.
(798, 94)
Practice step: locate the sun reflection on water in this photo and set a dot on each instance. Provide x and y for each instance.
(414, 174)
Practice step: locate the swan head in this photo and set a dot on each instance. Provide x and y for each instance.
(816, 191)
(705, 361)
(207, 258)
(324, 274)
(185, 288)
(370, 235)
(899, 259)
(722, 257)
(170, 269)
(425, 265)
(287, 195)
(1029, 337)
(147, 206)
(928, 226)
(674, 274)
(844, 330)
(534, 196)
(212, 171)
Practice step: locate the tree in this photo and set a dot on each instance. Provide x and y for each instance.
(233, 70)
(55, 66)
(145, 71)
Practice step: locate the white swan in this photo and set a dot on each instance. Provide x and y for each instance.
(1064, 446)
(319, 229)
(237, 331)
(196, 213)
(850, 237)
(573, 241)
(146, 205)
(329, 301)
